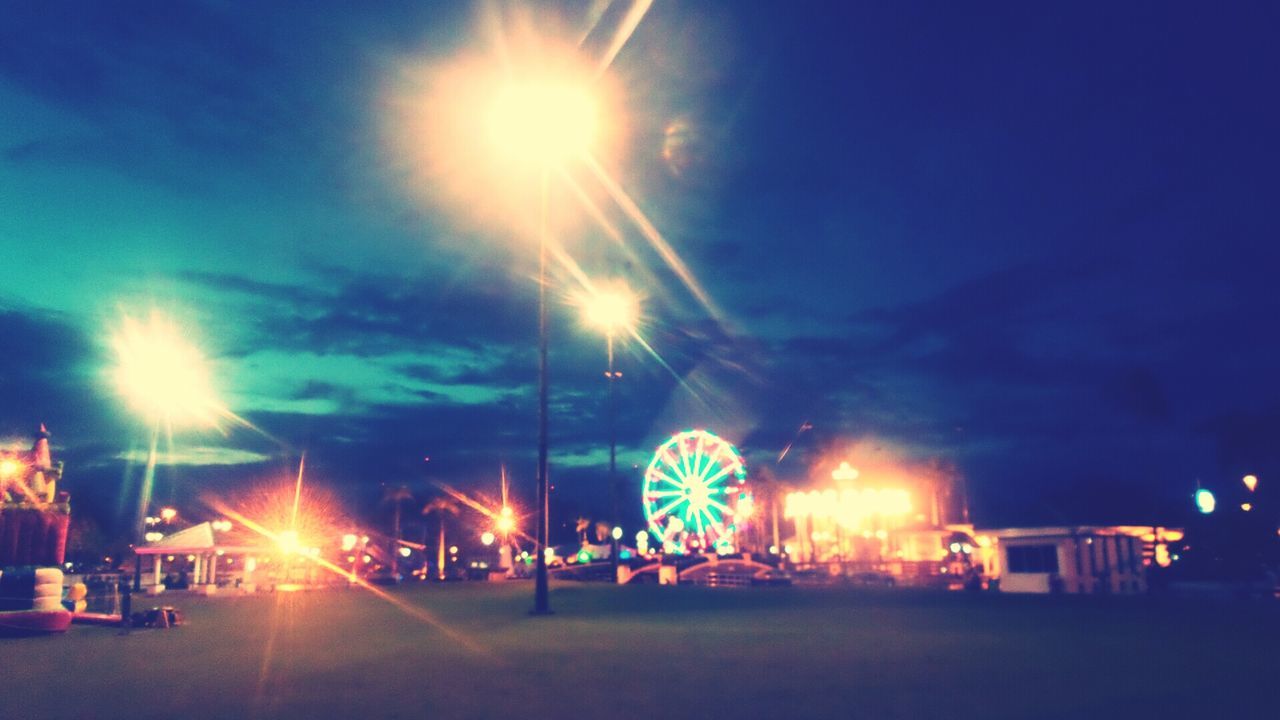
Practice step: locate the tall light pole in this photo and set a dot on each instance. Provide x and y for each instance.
(163, 378)
(541, 601)
(611, 311)
(541, 123)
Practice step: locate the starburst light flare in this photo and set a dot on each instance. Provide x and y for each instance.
(161, 375)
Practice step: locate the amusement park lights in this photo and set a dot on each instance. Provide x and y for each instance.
(686, 489)
(850, 508)
(844, 472)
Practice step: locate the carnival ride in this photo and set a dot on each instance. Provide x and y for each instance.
(34, 518)
(692, 491)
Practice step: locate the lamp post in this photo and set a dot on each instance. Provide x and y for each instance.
(541, 123)
(163, 378)
(610, 311)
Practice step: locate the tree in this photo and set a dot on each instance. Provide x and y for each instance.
(396, 495)
(441, 506)
(584, 524)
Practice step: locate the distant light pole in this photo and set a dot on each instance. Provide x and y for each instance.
(611, 311)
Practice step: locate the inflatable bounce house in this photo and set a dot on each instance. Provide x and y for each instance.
(34, 518)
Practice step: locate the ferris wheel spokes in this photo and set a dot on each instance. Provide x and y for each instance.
(685, 492)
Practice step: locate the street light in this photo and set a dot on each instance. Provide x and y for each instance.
(164, 378)
(542, 122)
(610, 311)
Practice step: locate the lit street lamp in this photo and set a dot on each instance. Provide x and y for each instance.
(611, 311)
(544, 123)
(164, 378)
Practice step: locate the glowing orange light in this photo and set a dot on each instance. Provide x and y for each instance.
(850, 508)
(1250, 482)
(9, 467)
(1162, 555)
(1246, 506)
(288, 542)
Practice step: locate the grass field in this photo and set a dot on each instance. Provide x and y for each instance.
(471, 651)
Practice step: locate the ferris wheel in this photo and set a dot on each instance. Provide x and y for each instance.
(688, 491)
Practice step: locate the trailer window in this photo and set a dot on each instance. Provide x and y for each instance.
(1033, 559)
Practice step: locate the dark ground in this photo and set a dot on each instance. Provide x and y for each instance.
(660, 652)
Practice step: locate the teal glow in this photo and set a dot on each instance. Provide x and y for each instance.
(684, 496)
(1205, 501)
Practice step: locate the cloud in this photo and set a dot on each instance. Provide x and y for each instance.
(198, 455)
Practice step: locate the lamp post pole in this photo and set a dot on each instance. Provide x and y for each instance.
(541, 604)
(613, 457)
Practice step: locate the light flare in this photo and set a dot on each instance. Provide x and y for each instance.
(405, 607)
(655, 238)
(625, 29)
(542, 121)
(162, 375)
(610, 309)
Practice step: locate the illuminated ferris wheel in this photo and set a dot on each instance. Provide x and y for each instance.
(688, 491)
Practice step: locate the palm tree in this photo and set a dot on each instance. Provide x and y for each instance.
(440, 506)
(396, 495)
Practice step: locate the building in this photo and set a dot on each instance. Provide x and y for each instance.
(1075, 559)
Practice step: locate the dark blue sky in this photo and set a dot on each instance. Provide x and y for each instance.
(1035, 245)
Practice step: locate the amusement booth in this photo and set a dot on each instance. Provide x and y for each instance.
(34, 517)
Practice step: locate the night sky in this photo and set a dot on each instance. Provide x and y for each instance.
(1029, 246)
